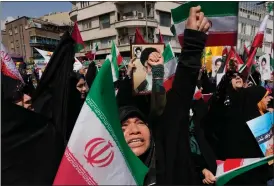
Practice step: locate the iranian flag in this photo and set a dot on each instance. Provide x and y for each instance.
(91, 55)
(170, 64)
(223, 18)
(116, 59)
(97, 153)
(76, 35)
(8, 67)
(115, 53)
(259, 38)
(230, 168)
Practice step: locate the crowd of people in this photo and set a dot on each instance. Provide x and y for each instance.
(177, 137)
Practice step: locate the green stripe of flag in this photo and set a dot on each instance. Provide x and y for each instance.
(210, 9)
(101, 99)
(168, 54)
(78, 47)
(173, 30)
(224, 179)
(114, 59)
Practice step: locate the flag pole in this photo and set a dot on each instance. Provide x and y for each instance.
(252, 79)
(146, 20)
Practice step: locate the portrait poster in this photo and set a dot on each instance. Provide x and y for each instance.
(216, 64)
(219, 78)
(264, 64)
(142, 81)
(262, 129)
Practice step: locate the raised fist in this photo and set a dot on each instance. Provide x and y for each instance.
(197, 20)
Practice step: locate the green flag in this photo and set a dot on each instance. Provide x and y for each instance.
(97, 145)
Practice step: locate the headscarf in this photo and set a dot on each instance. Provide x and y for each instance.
(51, 96)
(91, 73)
(75, 102)
(11, 89)
(254, 95)
(31, 148)
(126, 112)
(148, 158)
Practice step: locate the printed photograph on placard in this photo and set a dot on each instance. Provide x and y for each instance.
(264, 63)
(216, 64)
(262, 129)
(142, 77)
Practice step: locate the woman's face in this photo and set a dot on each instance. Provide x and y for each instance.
(82, 87)
(137, 135)
(237, 82)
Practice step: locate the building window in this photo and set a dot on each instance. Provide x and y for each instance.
(150, 10)
(86, 24)
(253, 30)
(165, 19)
(15, 30)
(267, 44)
(243, 29)
(268, 31)
(106, 42)
(84, 4)
(10, 32)
(104, 21)
(17, 43)
(11, 45)
(88, 45)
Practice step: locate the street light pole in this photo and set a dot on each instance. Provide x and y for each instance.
(146, 20)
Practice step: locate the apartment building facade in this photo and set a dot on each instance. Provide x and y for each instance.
(250, 17)
(102, 22)
(25, 33)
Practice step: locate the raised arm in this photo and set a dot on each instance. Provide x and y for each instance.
(180, 97)
(171, 129)
(124, 96)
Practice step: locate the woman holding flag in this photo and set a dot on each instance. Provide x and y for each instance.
(174, 164)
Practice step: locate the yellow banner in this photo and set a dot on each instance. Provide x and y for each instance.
(209, 53)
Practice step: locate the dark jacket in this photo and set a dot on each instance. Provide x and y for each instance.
(174, 164)
(125, 96)
(91, 73)
(200, 109)
(31, 147)
(142, 86)
(149, 105)
(227, 132)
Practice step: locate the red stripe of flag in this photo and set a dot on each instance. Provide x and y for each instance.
(217, 39)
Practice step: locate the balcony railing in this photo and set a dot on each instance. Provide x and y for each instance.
(135, 21)
(45, 42)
